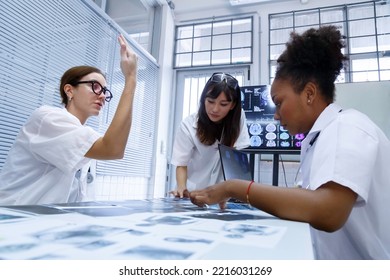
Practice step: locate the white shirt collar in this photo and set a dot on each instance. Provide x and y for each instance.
(326, 117)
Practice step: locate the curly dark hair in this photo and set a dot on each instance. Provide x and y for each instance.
(229, 129)
(314, 56)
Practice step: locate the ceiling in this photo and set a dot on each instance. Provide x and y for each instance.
(120, 9)
(185, 6)
(133, 15)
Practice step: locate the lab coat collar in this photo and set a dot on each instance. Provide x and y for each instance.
(326, 117)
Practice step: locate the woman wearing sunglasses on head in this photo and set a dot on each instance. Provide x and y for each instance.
(344, 193)
(49, 160)
(220, 119)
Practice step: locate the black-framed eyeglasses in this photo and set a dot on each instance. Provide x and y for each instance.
(229, 79)
(98, 89)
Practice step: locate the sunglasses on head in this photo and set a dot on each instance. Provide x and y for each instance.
(229, 79)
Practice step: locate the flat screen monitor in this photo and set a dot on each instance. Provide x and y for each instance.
(264, 131)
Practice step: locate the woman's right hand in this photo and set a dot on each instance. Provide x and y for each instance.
(180, 192)
(181, 181)
(129, 58)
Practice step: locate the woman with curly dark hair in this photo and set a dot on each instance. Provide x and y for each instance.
(344, 190)
(220, 119)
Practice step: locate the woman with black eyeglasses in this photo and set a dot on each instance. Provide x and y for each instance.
(344, 193)
(220, 119)
(49, 160)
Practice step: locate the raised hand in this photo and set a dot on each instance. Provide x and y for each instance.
(129, 58)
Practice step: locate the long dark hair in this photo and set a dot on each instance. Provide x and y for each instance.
(229, 129)
(315, 56)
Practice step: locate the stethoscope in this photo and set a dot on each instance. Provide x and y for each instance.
(89, 175)
(311, 143)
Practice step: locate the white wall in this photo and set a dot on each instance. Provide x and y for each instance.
(371, 98)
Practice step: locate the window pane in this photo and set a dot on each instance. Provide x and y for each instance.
(368, 32)
(222, 27)
(184, 46)
(276, 51)
(241, 55)
(302, 29)
(365, 76)
(383, 24)
(201, 58)
(239, 77)
(282, 21)
(273, 69)
(186, 97)
(221, 42)
(192, 90)
(220, 57)
(242, 25)
(280, 36)
(242, 40)
(202, 30)
(362, 27)
(364, 64)
(184, 32)
(202, 44)
(361, 11)
(200, 39)
(384, 43)
(384, 63)
(183, 60)
(382, 10)
(306, 18)
(142, 39)
(362, 45)
(331, 15)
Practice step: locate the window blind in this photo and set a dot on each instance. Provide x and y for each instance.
(39, 40)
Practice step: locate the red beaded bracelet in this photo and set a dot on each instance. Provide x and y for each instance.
(247, 192)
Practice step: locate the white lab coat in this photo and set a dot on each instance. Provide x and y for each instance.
(352, 151)
(202, 161)
(43, 161)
